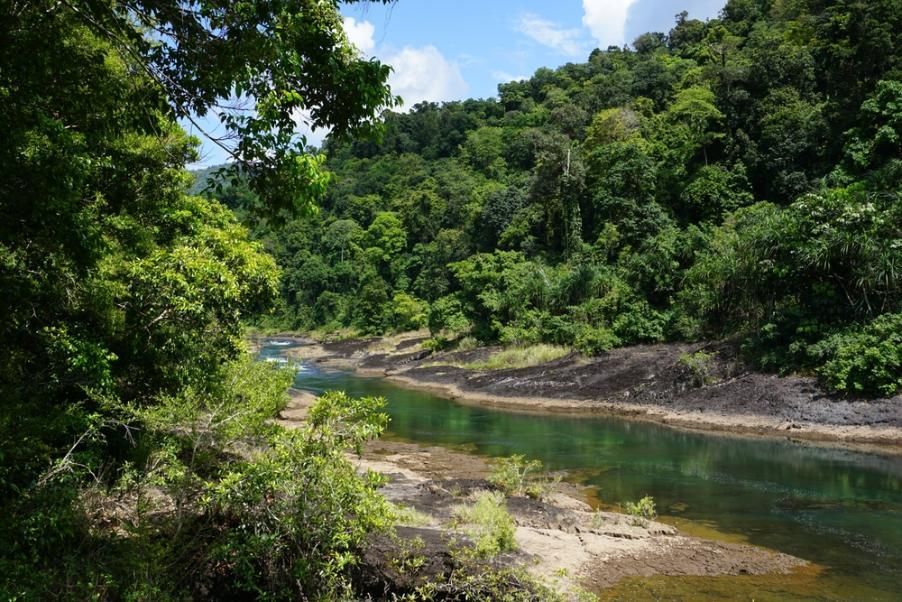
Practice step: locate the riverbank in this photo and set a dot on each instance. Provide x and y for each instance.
(650, 382)
(560, 539)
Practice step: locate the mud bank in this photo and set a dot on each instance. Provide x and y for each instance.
(649, 382)
(560, 539)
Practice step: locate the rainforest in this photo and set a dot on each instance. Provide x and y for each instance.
(736, 179)
(701, 228)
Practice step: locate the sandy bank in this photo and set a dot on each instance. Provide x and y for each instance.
(560, 539)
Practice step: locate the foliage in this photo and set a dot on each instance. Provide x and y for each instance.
(488, 522)
(285, 520)
(298, 511)
(732, 178)
(863, 360)
(280, 61)
(469, 581)
(407, 313)
(126, 401)
(447, 315)
(409, 516)
(643, 510)
(517, 476)
(699, 366)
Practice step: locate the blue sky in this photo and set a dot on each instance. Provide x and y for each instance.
(450, 50)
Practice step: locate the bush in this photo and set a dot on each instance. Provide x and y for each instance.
(294, 517)
(446, 315)
(407, 313)
(216, 498)
(593, 340)
(467, 343)
(470, 580)
(699, 366)
(512, 475)
(489, 524)
(864, 360)
(643, 510)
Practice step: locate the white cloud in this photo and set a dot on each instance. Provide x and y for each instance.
(606, 19)
(504, 77)
(549, 33)
(424, 74)
(418, 73)
(360, 34)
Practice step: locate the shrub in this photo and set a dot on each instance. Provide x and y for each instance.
(592, 340)
(512, 475)
(298, 513)
(489, 524)
(699, 366)
(409, 558)
(864, 360)
(467, 343)
(407, 313)
(446, 315)
(476, 581)
(436, 343)
(643, 510)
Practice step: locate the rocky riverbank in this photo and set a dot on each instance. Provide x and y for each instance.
(559, 539)
(649, 382)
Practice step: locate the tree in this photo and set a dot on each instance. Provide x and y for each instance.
(279, 60)
(715, 191)
(123, 294)
(792, 131)
(623, 178)
(877, 143)
(694, 108)
(613, 125)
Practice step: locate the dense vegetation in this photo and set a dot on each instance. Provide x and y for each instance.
(138, 459)
(732, 178)
(735, 178)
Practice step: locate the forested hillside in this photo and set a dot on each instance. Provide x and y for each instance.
(737, 178)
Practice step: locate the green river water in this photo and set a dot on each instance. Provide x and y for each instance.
(839, 509)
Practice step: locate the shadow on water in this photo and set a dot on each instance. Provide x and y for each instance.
(839, 509)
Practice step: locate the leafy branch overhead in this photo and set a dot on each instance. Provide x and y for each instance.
(261, 68)
(126, 393)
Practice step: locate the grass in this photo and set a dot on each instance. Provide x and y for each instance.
(467, 343)
(410, 517)
(329, 335)
(520, 357)
(488, 523)
(389, 343)
(511, 475)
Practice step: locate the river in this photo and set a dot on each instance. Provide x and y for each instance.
(839, 509)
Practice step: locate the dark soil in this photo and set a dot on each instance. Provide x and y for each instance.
(654, 375)
(648, 378)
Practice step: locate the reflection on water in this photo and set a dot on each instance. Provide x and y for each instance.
(840, 509)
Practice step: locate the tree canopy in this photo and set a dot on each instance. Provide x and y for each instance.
(732, 178)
